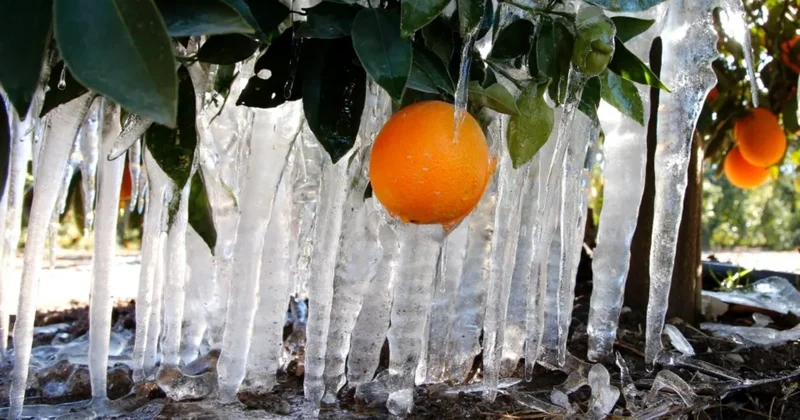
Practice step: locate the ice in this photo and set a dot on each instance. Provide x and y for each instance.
(275, 283)
(625, 159)
(733, 22)
(62, 126)
(670, 380)
(629, 391)
(89, 139)
(689, 47)
(753, 336)
(604, 395)
(761, 320)
(538, 405)
(135, 169)
(274, 131)
(412, 295)
(461, 95)
(772, 293)
(109, 180)
(152, 238)
(679, 342)
(132, 131)
(199, 292)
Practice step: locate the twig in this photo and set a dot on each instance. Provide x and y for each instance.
(629, 348)
(733, 407)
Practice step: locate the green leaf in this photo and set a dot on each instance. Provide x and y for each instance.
(120, 49)
(227, 49)
(334, 90)
(434, 68)
(201, 216)
(263, 15)
(495, 97)
(553, 53)
(419, 80)
(173, 148)
(625, 5)
(623, 95)
(470, 15)
(629, 27)
(385, 55)
(58, 93)
(439, 38)
(415, 14)
(224, 79)
(201, 17)
(790, 122)
(529, 131)
(5, 145)
(590, 98)
(328, 20)
(25, 33)
(513, 40)
(629, 66)
(271, 92)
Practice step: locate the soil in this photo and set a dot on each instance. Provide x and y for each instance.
(774, 400)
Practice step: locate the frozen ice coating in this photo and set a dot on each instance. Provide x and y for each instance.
(625, 160)
(135, 169)
(670, 380)
(604, 395)
(689, 47)
(154, 325)
(733, 22)
(306, 186)
(109, 180)
(133, 129)
(274, 131)
(679, 342)
(62, 126)
(199, 292)
(89, 139)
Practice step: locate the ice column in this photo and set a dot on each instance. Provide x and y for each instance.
(109, 179)
(62, 126)
(199, 292)
(274, 131)
(625, 157)
(89, 145)
(135, 169)
(689, 47)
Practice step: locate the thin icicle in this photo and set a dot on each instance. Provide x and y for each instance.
(109, 180)
(62, 127)
(461, 95)
(307, 180)
(199, 292)
(689, 47)
(135, 169)
(154, 324)
(735, 21)
(89, 145)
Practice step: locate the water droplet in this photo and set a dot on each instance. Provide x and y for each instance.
(62, 81)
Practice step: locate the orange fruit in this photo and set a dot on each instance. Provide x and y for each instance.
(713, 94)
(741, 173)
(786, 49)
(760, 137)
(421, 174)
(126, 187)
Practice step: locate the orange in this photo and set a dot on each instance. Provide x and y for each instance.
(760, 137)
(786, 49)
(126, 187)
(420, 174)
(713, 94)
(741, 173)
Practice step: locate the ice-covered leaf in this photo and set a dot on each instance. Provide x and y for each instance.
(334, 90)
(513, 40)
(625, 5)
(328, 20)
(201, 17)
(415, 14)
(224, 78)
(629, 66)
(173, 148)
(385, 55)
(263, 15)
(470, 15)
(439, 38)
(590, 99)
(59, 93)
(120, 49)
(200, 212)
(495, 97)
(529, 131)
(553, 52)
(433, 68)
(622, 94)
(270, 92)
(227, 49)
(629, 27)
(5, 145)
(25, 32)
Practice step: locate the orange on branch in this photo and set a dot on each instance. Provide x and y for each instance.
(421, 174)
(790, 61)
(760, 137)
(741, 173)
(127, 185)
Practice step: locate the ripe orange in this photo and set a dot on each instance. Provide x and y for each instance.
(126, 187)
(713, 94)
(420, 174)
(741, 173)
(760, 137)
(786, 48)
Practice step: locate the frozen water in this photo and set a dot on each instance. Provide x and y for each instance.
(604, 395)
(135, 169)
(773, 293)
(679, 342)
(670, 380)
(753, 336)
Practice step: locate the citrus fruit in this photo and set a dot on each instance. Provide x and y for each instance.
(713, 95)
(760, 137)
(421, 174)
(126, 187)
(741, 173)
(792, 62)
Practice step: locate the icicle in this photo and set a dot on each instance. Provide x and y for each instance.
(547, 306)
(419, 249)
(689, 47)
(89, 144)
(36, 145)
(62, 127)
(678, 341)
(135, 168)
(461, 95)
(132, 131)
(151, 254)
(13, 126)
(273, 131)
(199, 292)
(604, 395)
(734, 22)
(105, 244)
(154, 324)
